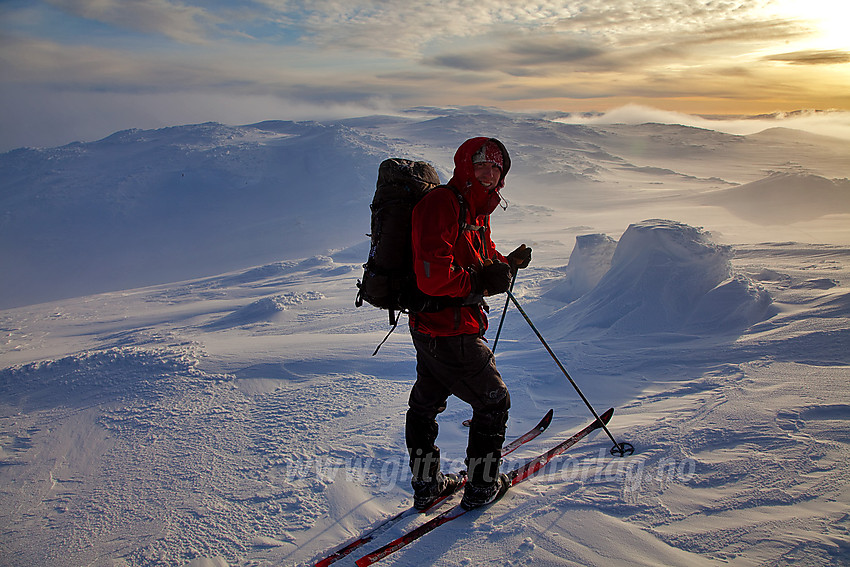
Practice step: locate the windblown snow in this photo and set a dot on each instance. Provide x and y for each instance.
(665, 277)
(590, 259)
(239, 419)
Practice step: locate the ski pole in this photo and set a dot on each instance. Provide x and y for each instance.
(619, 449)
(505, 310)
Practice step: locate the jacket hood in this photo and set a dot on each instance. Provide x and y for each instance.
(482, 200)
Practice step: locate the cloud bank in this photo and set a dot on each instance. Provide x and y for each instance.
(835, 124)
(74, 69)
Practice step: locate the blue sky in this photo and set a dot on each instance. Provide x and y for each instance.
(81, 69)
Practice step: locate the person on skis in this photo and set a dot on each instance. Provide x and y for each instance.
(459, 260)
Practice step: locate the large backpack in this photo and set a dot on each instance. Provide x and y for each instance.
(388, 278)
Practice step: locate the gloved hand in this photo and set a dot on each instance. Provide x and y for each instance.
(492, 279)
(520, 257)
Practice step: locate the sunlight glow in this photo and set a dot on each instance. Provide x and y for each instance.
(830, 17)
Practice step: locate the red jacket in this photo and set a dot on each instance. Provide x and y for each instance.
(444, 255)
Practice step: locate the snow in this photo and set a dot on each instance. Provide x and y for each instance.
(589, 261)
(695, 280)
(665, 276)
(804, 196)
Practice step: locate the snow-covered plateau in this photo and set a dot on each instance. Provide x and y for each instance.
(696, 281)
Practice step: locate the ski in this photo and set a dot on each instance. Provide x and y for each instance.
(529, 435)
(517, 475)
(370, 533)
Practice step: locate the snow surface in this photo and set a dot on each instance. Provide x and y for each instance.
(240, 419)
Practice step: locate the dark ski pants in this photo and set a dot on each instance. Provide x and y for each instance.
(462, 366)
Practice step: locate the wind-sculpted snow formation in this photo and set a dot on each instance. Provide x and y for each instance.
(589, 261)
(665, 277)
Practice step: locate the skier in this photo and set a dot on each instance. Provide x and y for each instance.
(459, 260)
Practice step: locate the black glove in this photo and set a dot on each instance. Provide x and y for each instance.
(492, 279)
(520, 257)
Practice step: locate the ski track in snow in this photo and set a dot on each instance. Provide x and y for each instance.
(240, 419)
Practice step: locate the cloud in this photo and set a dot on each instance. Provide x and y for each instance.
(827, 123)
(391, 53)
(47, 63)
(245, 69)
(520, 56)
(179, 21)
(812, 57)
(561, 50)
(46, 118)
(433, 27)
(396, 28)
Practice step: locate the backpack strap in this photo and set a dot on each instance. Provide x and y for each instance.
(461, 221)
(465, 226)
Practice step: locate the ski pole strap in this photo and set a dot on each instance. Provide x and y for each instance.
(394, 323)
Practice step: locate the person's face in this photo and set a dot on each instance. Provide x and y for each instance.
(488, 174)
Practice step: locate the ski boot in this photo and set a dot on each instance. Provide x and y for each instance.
(425, 493)
(478, 496)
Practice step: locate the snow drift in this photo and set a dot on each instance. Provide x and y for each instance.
(264, 309)
(589, 261)
(783, 198)
(665, 276)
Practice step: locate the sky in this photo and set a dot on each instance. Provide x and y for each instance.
(81, 69)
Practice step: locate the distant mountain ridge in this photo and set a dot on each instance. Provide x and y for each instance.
(143, 207)
(140, 206)
(803, 196)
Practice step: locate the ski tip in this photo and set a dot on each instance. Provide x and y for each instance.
(605, 417)
(546, 421)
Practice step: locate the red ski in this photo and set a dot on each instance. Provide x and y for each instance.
(370, 534)
(517, 475)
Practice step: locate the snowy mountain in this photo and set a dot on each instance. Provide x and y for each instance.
(237, 417)
(146, 207)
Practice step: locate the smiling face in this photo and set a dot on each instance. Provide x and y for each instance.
(488, 174)
(480, 168)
